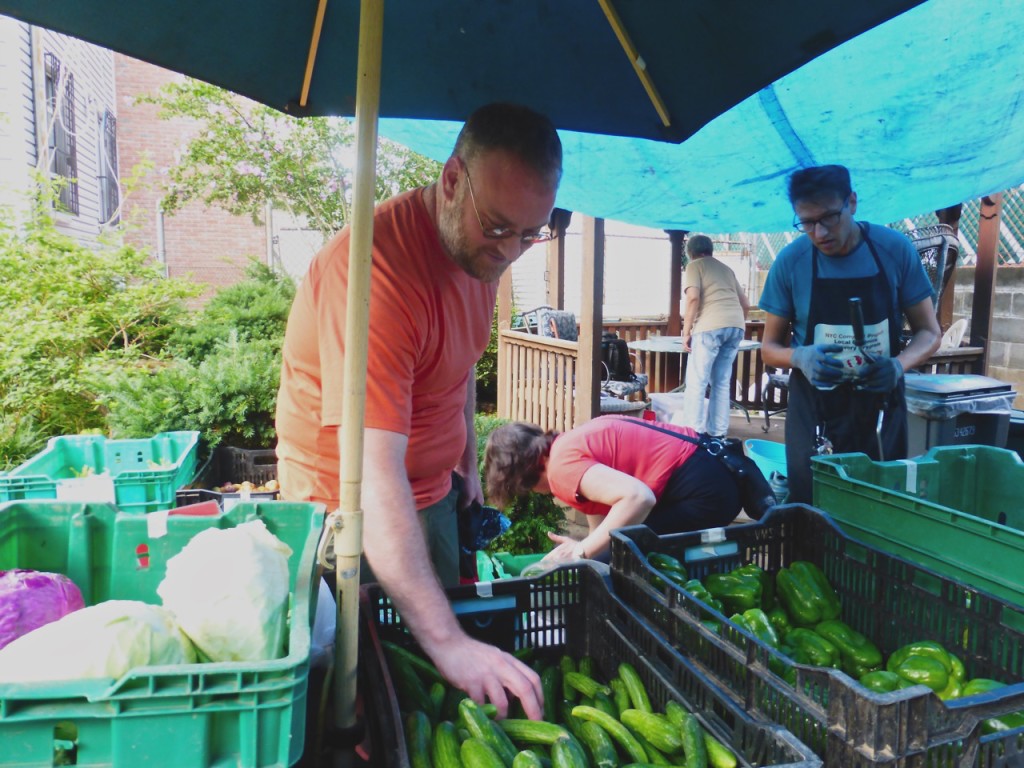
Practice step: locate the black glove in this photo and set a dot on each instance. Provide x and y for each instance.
(882, 375)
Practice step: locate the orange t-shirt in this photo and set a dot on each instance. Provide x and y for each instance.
(429, 324)
(619, 442)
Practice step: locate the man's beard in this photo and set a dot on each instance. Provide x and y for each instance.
(453, 238)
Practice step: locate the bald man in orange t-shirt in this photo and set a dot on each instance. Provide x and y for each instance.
(438, 253)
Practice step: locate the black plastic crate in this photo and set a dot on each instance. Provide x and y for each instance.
(236, 465)
(889, 599)
(570, 608)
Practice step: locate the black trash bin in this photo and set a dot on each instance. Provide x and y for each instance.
(957, 409)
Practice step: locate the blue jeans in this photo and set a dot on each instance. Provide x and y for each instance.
(712, 354)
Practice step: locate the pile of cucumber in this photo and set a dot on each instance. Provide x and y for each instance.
(587, 723)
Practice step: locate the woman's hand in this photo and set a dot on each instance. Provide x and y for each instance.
(566, 550)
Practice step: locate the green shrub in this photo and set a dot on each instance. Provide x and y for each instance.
(532, 516)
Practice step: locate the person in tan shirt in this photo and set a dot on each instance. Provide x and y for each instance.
(713, 323)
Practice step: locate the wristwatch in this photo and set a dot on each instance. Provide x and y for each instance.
(578, 552)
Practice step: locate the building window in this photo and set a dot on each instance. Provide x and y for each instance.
(60, 117)
(108, 169)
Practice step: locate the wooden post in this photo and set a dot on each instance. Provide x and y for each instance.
(588, 377)
(504, 324)
(950, 216)
(555, 273)
(676, 239)
(990, 216)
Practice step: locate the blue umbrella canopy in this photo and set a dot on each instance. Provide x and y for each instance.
(687, 62)
(924, 110)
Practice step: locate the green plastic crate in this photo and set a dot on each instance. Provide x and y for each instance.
(179, 716)
(146, 472)
(956, 509)
(569, 610)
(884, 596)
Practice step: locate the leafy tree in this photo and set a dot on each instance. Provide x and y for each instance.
(70, 316)
(245, 155)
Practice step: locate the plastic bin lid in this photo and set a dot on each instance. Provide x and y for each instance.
(941, 385)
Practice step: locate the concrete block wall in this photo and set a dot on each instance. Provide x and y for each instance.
(1006, 347)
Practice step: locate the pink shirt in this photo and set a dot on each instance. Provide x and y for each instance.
(622, 443)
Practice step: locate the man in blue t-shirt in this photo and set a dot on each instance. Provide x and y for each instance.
(847, 357)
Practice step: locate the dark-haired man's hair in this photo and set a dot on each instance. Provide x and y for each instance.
(820, 184)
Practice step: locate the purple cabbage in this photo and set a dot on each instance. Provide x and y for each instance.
(29, 599)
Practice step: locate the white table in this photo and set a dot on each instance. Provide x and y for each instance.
(656, 347)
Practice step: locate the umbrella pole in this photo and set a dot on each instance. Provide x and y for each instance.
(348, 541)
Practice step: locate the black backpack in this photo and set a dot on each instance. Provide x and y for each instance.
(615, 356)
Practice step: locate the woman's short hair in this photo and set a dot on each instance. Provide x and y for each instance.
(513, 460)
(699, 245)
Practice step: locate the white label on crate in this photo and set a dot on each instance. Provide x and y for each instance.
(911, 486)
(94, 488)
(484, 589)
(156, 523)
(712, 535)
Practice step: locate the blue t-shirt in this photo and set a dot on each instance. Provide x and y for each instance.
(787, 290)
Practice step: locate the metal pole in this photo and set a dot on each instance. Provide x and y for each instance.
(348, 540)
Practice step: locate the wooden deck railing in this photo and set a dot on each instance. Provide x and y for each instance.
(537, 381)
(537, 373)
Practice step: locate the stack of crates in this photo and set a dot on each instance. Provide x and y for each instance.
(145, 472)
(196, 715)
(957, 510)
(235, 465)
(572, 611)
(885, 597)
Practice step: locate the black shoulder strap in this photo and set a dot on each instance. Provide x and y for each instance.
(680, 435)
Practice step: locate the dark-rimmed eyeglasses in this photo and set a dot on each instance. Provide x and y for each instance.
(828, 221)
(504, 233)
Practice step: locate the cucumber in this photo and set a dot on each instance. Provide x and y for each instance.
(412, 693)
(421, 665)
(655, 728)
(621, 695)
(615, 729)
(527, 759)
(694, 748)
(635, 687)
(675, 712)
(551, 686)
(472, 716)
(567, 664)
(653, 755)
(604, 702)
(444, 749)
(567, 753)
(417, 739)
(437, 693)
(476, 753)
(586, 666)
(585, 684)
(719, 755)
(600, 745)
(532, 731)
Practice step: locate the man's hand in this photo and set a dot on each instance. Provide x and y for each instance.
(881, 376)
(470, 490)
(486, 673)
(687, 338)
(818, 363)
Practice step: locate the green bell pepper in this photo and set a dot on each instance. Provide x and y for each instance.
(859, 655)
(880, 681)
(767, 583)
(952, 667)
(1006, 722)
(819, 651)
(761, 627)
(923, 670)
(804, 591)
(777, 616)
(695, 588)
(737, 591)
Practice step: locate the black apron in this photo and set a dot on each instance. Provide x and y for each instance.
(845, 416)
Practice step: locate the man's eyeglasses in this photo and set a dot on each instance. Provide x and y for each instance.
(503, 233)
(828, 221)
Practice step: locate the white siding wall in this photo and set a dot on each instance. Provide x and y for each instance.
(93, 69)
(17, 132)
